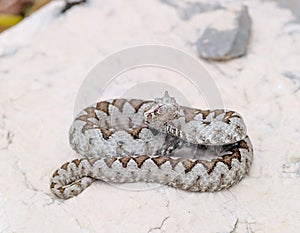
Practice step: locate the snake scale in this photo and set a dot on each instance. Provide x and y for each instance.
(132, 140)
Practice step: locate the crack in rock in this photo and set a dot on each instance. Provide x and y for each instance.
(6, 136)
(160, 226)
(31, 187)
(234, 226)
(69, 4)
(241, 226)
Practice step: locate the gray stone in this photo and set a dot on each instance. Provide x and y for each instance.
(227, 37)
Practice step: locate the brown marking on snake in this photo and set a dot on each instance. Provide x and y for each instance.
(91, 160)
(65, 166)
(61, 189)
(106, 133)
(227, 116)
(227, 159)
(135, 132)
(188, 165)
(235, 116)
(110, 161)
(77, 162)
(209, 165)
(91, 112)
(190, 114)
(52, 185)
(55, 173)
(218, 112)
(243, 144)
(140, 160)
(119, 103)
(82, 118)
(205, 113)
(124, 161)
(136, 104)
(103, 106)
(160, 160)
(236, 154)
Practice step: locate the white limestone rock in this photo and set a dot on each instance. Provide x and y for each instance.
(187, 9)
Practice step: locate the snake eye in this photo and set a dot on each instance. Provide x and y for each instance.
(157, 111)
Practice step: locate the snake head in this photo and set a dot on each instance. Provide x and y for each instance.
(162, 111)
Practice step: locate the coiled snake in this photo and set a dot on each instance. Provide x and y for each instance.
(155, 141)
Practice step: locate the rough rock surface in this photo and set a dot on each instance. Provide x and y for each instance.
(227, 37)
(43, 62)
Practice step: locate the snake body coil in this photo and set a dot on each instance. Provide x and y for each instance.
(155, 141)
